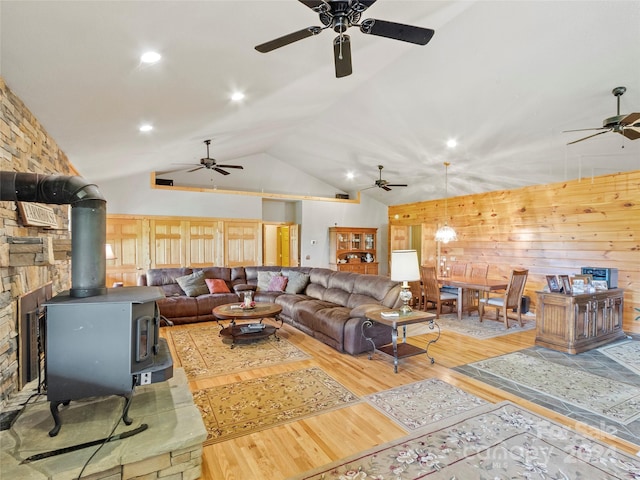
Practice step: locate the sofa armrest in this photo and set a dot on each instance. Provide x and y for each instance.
(362, 310)
(142, 280)
(243, 287)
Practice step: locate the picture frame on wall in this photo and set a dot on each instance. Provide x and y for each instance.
(566, 283)
(552, 282)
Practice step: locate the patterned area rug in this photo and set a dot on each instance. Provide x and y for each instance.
(504, 441)
(626, 354)
(249, 406)
(422, 403)
(201, 352)
(471, 326)
(617, 401)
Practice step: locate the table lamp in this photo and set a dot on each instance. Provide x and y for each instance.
(405, 269)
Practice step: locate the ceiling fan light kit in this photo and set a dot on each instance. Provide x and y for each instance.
(446, 234)
(627, 125)
(339, 15)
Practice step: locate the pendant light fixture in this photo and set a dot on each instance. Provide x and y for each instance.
(446, 234)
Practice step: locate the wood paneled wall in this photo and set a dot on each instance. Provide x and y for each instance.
(547, 229)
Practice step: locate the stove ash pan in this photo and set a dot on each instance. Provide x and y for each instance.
(103, 345)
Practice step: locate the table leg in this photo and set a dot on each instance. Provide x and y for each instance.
(459, 303)
(394, 341)
(431, 326)
(366, 324)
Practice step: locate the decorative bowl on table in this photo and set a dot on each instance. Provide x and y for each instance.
(251, 306)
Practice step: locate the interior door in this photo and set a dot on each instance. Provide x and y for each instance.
(270, 245)
(125, 235)
(168, 247)
(242, 240)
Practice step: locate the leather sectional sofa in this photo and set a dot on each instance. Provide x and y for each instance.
(329, 305)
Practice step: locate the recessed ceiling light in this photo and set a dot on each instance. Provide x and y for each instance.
(350, 175)
(146, 127)
(237, 96)
(452, 143)
(150, 57)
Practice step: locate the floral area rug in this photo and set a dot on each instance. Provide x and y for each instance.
(609, 398)
(626, 354)
(504, 441)
(252, 405)
(422, 403)
(201, 352)
(471, 327)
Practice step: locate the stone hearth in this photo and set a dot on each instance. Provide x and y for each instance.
(170, 447)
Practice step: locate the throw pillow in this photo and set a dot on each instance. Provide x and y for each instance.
(264, 278)
(278, 283)
(297, 282)
(217, 285)
(194, 284)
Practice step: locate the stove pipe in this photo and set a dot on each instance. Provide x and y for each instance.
(88, 222)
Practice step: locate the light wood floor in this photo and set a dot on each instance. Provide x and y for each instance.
(296, 447)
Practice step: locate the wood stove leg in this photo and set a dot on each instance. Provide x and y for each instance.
(125, 412)
(53, 406)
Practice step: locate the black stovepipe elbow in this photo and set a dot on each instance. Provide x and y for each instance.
(88, 221)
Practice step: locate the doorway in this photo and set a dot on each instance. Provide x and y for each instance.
(280, 245)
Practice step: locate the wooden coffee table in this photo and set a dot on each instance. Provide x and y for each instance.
(403, 349)
(240, 332)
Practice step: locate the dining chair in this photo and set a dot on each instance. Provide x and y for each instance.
(432, 292)
(416, 295)
(477, 270)
(458, 269)
(510, 299)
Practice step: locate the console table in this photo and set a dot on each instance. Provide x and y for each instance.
(403, 349)
(580, 322)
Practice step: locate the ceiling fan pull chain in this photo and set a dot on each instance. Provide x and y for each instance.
(341, 40)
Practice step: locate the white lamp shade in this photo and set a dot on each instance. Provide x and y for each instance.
(404, 266)
(108, 250)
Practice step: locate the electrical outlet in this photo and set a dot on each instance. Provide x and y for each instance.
(145, 378)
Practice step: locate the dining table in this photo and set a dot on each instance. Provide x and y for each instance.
(467, 286)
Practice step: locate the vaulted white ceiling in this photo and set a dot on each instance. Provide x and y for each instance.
(504, 78)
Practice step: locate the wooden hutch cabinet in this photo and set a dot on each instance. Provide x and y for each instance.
(353, 249)
(580, 322)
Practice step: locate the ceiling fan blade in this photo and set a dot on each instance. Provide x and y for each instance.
(231, 166)
(194, 169)
(167, 172)
(630, 119)
(397, 31)
(384, 187)
(631, 133)
(219, 170)
(317, 6)
(397, 185)
(590, 136)
(586, 129)
(287, 39)
(342, 55)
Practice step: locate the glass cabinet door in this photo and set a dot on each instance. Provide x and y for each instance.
(369, 241)
(356, 244)
(342, 241)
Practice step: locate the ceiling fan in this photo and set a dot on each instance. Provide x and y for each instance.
(384, 184)
(340, 15)
(208, 163)
(627, 125)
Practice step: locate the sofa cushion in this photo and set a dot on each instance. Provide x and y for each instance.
(157, 277)
(194, 284)
(298, 281)
(264, 278)
(278, 283)
(217, 285)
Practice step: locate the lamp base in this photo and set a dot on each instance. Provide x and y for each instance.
(405, 296)
(405, 309)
